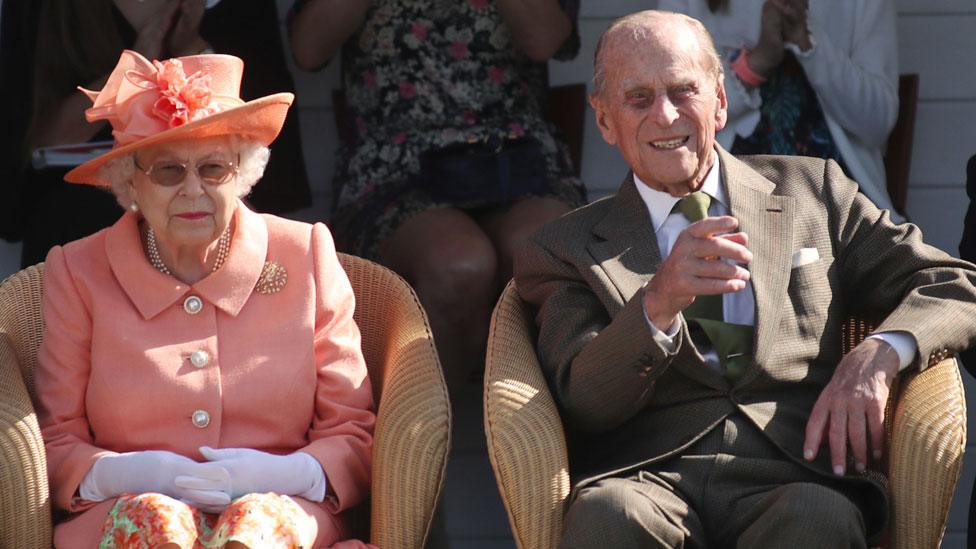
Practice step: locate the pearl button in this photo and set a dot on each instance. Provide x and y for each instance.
(201, 418)
(193, 305)
(199, 358)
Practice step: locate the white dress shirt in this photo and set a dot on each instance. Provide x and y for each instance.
(737, 307)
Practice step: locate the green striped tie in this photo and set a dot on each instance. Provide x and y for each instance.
(732, 342)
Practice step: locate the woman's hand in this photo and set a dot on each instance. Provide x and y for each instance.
(252, 471)
(185, 39)
(159, 471)
(538, 27)
(151, 37)
(793, 14)
(321, 27)
(768, 52)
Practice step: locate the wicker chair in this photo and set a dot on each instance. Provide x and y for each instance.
(926, 427)
(410, 442)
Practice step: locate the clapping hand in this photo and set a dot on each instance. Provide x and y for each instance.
(793, 14)
(768, 53)
(184, 37)
(151, 37)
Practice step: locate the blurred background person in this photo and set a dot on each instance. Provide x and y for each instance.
(808, 77)
(79, 42)
(451, 162)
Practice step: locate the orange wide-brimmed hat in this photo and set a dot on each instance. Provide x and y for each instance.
(150, 103)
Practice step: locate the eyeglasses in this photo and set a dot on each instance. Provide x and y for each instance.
(168, 173)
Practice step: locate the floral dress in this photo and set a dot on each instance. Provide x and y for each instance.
(423, 75)
(256, 520)
(268, 521)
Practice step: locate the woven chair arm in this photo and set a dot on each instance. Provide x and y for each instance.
(928, 438)
(26, 518)
(412, 435)
(410, 446)
(526, 443)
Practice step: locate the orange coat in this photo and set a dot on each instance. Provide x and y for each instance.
(284, 372)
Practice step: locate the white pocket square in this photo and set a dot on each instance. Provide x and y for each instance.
(805, 256)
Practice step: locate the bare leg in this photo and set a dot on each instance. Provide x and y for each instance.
(509, 227)
(451, 264)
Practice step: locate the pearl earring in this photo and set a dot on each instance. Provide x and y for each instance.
(134, 208)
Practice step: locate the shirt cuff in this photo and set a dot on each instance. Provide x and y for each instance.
(664, 339)
(903, 343)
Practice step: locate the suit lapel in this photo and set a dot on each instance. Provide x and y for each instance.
(768, 220)
(625, 247)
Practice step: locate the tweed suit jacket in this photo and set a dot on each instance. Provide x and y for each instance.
(626, 402)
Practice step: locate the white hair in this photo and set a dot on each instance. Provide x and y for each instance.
(638, 27)
(254, 157)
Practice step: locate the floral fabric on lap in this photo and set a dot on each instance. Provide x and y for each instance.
(423, 75)
(256, 520)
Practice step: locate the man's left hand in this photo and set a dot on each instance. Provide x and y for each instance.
(851, 407)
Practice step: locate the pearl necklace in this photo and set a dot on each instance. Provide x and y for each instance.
(223, 246)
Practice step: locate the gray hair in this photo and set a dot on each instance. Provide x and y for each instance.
(254, 156)
(641, 26)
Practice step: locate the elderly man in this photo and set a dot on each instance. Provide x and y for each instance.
(689, 326)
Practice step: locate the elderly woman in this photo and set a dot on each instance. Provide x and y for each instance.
(200, 381)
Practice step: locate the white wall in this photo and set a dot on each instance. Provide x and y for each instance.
(937, 40)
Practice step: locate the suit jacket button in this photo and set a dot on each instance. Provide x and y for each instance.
(199, 358)
(192, 305)
(200, 418)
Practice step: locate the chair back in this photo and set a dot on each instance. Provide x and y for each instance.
(526, 442)
(898, 154)
(20, 317)
(413, 423)
(25, 501)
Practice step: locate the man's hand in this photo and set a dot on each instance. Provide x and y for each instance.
(695, 267)
(851, 407)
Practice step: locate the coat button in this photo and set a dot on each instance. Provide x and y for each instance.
(201, 418)
(193, 305)
(199, 358)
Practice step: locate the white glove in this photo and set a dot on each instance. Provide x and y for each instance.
(156, 471)
(252, 471)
